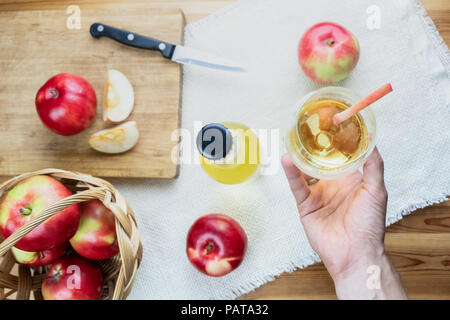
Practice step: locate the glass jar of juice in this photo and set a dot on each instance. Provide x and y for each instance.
(229, 152)
(318, 146)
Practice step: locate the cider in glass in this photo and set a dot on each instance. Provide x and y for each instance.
(322, 149)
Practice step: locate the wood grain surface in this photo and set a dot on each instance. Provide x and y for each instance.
(419, 245)
(37, 45)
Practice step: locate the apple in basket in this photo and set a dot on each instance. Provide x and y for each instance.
(328, 52)
(96, 236)
(73, 278)
(41, 258)
(66, 104)
(216, 244)
(27, 200)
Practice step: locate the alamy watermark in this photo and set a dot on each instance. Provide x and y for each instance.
(262, 145)
(373, 21)
(73, 22)
(373, 281)
(74, 280)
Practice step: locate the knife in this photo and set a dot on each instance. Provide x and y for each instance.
(169, 51)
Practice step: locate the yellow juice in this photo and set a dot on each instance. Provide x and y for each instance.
(327, 143)
(241, 162)
(325, 150)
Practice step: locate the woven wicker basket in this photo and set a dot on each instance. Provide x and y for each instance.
(119, 272)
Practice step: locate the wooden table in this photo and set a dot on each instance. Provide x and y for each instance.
(419, 245)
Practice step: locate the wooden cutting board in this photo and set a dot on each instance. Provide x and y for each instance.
(35, 45)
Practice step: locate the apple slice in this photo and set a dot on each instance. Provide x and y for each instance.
(116, 140)
(119, 97)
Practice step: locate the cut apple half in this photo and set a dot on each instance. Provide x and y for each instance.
(116, 140)
(119, 97)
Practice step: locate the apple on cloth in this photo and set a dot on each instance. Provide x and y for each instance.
(328, 52)
(216, 244)
(27, 200)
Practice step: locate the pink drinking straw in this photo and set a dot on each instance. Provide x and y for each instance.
(364, 103)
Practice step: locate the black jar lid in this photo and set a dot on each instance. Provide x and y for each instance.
(214, 141)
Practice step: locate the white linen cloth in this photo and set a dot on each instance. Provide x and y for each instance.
(413, 134)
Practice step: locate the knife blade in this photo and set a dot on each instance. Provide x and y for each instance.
(176, 53)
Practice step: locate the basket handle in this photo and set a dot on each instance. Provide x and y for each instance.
(94, 193)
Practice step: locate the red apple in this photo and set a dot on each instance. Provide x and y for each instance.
(27, 200)
(41, 258)
(216, 244)
(73, 278)
(96, 236)
(328, 53)
(66, 104)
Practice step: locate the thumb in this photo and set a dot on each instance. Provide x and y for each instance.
(297, 182)
(373, 173)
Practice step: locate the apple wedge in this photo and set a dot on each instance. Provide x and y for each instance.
(119, 97)
(116, 140)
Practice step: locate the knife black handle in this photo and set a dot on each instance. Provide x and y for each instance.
(132, 39)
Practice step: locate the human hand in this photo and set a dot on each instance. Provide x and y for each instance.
(344, 221)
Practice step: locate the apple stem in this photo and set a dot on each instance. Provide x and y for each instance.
(210, 247)
(25, 211)
(330, 43)
(53, 93)
(56, 274)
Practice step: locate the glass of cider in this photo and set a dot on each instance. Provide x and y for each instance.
(322, 149)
